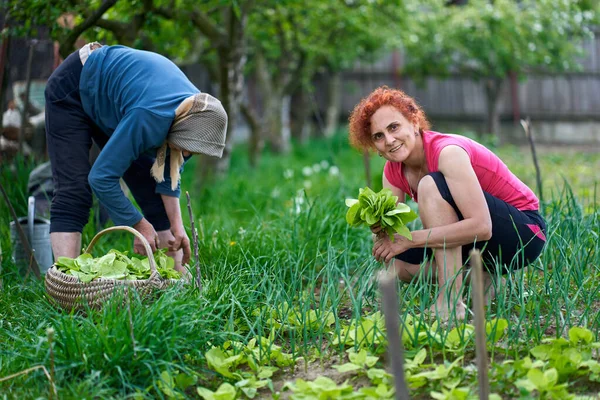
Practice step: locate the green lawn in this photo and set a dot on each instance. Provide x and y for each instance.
(290, 299)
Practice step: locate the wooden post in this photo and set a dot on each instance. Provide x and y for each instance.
(3, 57)
(195, 241)
(26, 98)
(538, 175)
(514, 97)
(480, 334)
(389, 302)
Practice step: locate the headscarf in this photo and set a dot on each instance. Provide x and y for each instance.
(200, 126)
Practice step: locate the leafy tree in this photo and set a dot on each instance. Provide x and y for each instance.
(488, 40)
(213, 31)
(292, 40)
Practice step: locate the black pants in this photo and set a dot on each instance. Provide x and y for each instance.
(69, 132)
(518, 237)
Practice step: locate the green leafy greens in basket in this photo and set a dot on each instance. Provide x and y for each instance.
(371, 208)
(117, 265)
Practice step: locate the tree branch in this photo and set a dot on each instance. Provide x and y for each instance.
(199, 19)
(67, 45)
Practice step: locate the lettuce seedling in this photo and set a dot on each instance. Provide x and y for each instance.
(371, 208)
(117, 265)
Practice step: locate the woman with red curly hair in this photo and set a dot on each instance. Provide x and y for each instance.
(467, 199)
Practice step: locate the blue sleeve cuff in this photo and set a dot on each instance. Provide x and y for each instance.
(164, 187)
(166, 190)
(130, 220)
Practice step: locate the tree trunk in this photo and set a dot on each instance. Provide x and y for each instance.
(299, 115)
(232, 59)
(334, 101)
(274, 108)
(493, 89)
(286, 129)
(256, 143)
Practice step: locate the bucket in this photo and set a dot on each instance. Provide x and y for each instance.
(37, 231)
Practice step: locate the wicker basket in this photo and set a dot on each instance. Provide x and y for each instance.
(70, 293)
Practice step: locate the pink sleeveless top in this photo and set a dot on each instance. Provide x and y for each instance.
(493, 175)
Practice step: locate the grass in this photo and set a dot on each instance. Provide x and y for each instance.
(280, 262)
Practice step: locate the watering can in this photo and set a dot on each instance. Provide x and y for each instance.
(38, 233)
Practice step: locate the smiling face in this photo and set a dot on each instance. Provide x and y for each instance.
(393, 135)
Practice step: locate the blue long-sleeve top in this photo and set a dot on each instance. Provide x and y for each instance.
(132, 96)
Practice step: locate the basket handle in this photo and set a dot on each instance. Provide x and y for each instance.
(131, 230)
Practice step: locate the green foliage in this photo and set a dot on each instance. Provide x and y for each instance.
(117, 265)
(308, 37)
(288, 285)
(490, 39)
(380, 208)
(321, 388)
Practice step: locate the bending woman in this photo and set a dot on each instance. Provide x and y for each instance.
(467, 199)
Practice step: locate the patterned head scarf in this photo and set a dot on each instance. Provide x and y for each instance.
(200, 126)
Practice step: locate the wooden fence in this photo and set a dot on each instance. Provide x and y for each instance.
(573, 96)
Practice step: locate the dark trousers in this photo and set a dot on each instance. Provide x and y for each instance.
(518, 237)
(69, 134)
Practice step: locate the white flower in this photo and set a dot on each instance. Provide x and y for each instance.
(324, 164)
(275, 193)
(241, 231)
(334, 171)
(531, 46)
(299, 198)
(307, 171)
(297, 202)
(288, 173)
(307, 184)
(316, 168)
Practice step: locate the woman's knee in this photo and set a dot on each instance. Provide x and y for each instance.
(404, 271)
(428, 191)
(434, 209)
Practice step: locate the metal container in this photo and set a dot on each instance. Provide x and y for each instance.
(38, 233)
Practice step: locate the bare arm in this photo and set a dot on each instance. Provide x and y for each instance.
(181, 240)
(464, 186)
(396, 191)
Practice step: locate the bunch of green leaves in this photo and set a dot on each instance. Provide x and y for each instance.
(117, 265)
(380, 208)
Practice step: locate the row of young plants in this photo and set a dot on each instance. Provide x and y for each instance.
(444, 370)
(278, 266)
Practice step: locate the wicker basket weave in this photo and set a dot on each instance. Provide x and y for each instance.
(70, 293)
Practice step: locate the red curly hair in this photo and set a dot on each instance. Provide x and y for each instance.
(360, 119)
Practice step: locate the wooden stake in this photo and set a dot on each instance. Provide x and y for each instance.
(480, 334)
(130, 318)
(387, 286)
(28, 370)
(33, 265)
(195, 241)
(50, 335)
(538, 175)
